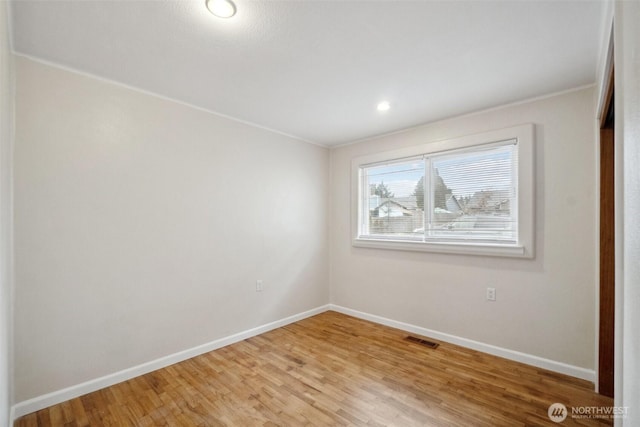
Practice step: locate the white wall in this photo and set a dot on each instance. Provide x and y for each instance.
(6, 134)
(141, 226)
(627, 68)
(545, 307)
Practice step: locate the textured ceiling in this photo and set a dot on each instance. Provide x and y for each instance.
(317, 69)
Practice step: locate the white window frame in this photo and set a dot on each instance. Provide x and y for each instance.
(524, 245)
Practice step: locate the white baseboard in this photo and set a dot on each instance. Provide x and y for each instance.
(28, 406)
(32, 405)
(540, 362)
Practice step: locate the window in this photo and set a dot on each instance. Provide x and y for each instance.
(466, 195)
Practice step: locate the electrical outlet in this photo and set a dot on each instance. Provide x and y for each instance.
(259, 286)
(491, 294)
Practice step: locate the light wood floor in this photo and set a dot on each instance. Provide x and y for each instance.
(331, 369)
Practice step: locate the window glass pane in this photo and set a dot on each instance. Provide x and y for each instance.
(393, 201)
(473, 195)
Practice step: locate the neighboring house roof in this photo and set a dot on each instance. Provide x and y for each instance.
(490, 200)
(398, 205)
(407, 202)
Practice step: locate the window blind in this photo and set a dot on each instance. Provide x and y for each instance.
(468, 194)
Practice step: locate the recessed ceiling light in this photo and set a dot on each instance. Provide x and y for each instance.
(221, 8)
(383, 106)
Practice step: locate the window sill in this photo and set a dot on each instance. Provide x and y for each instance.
(514, 251)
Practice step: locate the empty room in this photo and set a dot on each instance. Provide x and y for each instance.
(319, 213)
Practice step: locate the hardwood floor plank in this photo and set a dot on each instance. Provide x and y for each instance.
(331, 370)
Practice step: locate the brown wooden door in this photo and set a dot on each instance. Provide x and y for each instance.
(607, 247)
